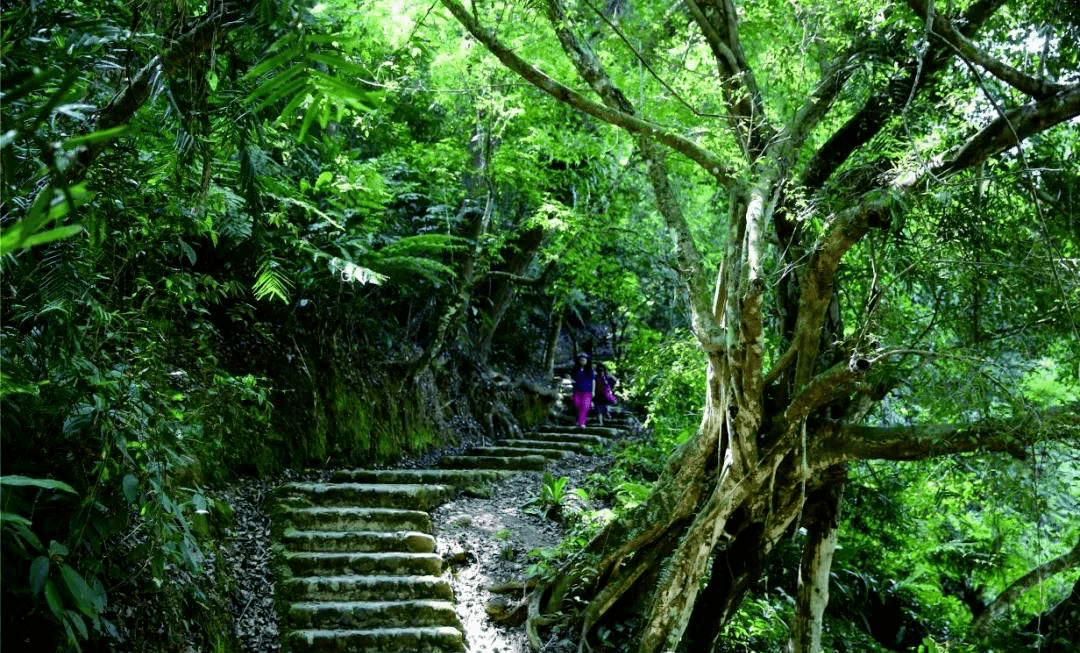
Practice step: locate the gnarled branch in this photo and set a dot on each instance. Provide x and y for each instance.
(849, 442)
(1021, 585)
(875, 113)
(944, 29)
(1014, 126)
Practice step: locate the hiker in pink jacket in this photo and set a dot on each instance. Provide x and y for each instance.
(582, 376)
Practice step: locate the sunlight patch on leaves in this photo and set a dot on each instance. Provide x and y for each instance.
(350, 272)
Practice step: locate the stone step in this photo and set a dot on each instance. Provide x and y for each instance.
(358, 541)
(408, 496)
(521, 463)
(367, 588)
(429, 639)
(456, 477)
(371, 614)
(355, 518)
(573, 447)
(379, 563)
(509, 451)
(602, 431)
(579, 438)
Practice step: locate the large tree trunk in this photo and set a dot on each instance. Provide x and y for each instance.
(822, 525)
(769, 438)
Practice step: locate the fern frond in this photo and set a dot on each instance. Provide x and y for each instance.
(424, 244)
(406, 266)
(271, 283)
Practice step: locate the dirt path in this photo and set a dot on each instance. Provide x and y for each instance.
(488, 541)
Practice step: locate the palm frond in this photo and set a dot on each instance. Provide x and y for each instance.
(270, 283)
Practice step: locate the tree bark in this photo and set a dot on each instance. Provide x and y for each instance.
(516, 257)
(822, 527)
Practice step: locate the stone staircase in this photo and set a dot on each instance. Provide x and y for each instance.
(356, 565)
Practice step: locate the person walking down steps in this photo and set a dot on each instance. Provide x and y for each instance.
(605, 383)
(582, 376)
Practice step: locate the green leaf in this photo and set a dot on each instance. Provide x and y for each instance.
(188, 251)
(131, 487)
(49, 236)
(291, 107)
(53, 600)
(309, 117)
(100, 136)
(50, 204)
(292, 81)
(14, 480)
(57, 549)
(39, 573)
(86, 599)
(270, 283)
(10, 517)
(273, 62)
(76, 620)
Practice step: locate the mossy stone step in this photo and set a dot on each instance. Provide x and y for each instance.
(408, 496)
(602, 431)
(509, 451)
(521, 463)
(457, 477)
(574, 447)
(358, 541)
(579, 438)
(355, 518)
(366, 588)
(378, 563)
(430, 639)
(371, 614)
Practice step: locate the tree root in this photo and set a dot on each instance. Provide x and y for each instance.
(508, 586)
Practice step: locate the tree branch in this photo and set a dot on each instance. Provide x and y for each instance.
(846, 229)
(707, 160)
(690, 267)
(880, 107)
(944, 29)
(1014, 126)
(822, 389)
(1020, 586)
(644, 62)
(718, 22)
(849, 226)
(848, 442)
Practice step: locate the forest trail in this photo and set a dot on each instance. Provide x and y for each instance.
(357, 564)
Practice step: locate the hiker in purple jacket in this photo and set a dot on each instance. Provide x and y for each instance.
(582, 376)
(603, 397)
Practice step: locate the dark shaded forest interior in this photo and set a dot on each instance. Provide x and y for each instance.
(831, 252)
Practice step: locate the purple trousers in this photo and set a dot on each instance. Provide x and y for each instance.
(582, 401)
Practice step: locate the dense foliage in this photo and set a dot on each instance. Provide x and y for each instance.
(243, 236)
